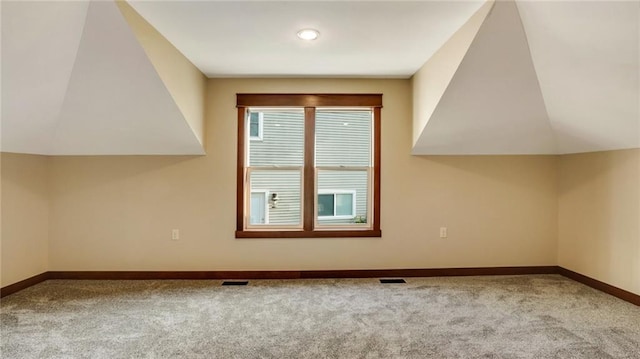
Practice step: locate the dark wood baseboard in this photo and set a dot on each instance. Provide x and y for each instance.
(146, 275)
(23, 284)
(319, 274)
(601, 286)
(432, 272)
(305, 274)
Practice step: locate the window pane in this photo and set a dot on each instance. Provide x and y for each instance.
(344, 185)
(325, 205)
(254, 124)
(344, 204)
(343, 138)
(282, 196)
(282, 140)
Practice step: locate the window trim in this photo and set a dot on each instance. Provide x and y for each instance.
(335, 193)
(309, 102)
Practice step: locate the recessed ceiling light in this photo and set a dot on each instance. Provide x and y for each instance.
(308, 34)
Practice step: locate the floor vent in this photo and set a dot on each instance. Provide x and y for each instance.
(392, 280)
(235, 282)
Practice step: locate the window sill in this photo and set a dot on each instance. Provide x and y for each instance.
(331, 218)
(371, 233)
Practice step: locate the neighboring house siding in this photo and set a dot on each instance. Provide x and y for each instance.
(287, 185)
(337, 144)
(343, 145)
(345, 181)
(282, 141)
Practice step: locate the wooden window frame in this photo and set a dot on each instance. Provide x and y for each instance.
(309, 102)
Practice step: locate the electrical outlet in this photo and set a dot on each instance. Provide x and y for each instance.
(175, 234)
(443, 232)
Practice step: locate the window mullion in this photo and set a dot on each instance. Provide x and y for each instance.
(240, 170)
(343, 168)
(309, 168)
(376, 167)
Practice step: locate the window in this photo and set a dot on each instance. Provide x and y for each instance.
(315, 171)
(255, 125)
(336, 204)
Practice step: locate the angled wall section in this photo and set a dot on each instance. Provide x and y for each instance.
(184, 81)
(586, 56)
(493, 104)
(115, 102)
(77, 80)
(431, 81)
(40, 41)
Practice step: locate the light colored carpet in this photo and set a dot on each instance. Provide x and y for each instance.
(545, 316)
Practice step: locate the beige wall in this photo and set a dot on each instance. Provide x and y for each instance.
(117, 212)
(25, 217)
(599, 211)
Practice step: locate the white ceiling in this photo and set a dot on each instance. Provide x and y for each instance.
(539, 77)
(357, 38)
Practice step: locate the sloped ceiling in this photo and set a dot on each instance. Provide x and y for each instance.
(76, 81)
(432, 80)
(562, 80)
(586, 58)
(493, 103)
(39, 45)
(530, 77)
